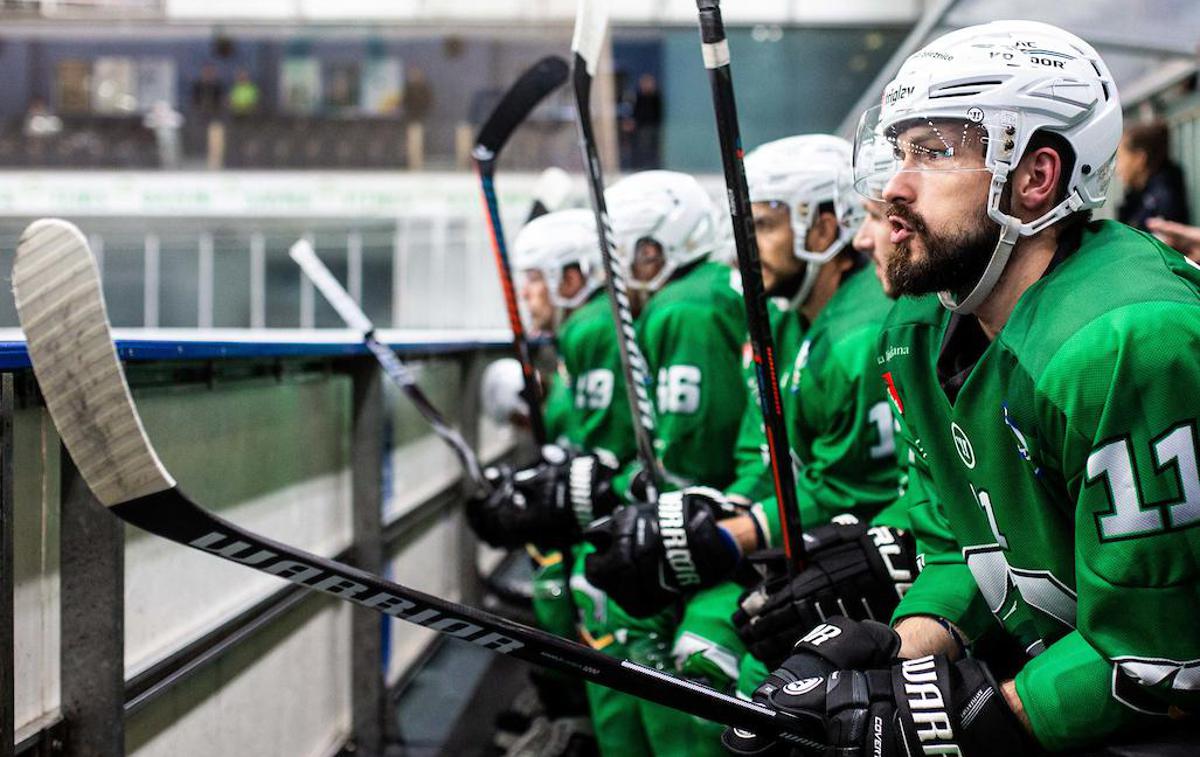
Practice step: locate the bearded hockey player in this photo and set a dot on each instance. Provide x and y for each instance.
(1049, 386)
(856, 567)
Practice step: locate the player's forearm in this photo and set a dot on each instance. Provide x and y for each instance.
(922, 635)
(745, 532)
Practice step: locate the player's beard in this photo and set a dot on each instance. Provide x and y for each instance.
(953, 262)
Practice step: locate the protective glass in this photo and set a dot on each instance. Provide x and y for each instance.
(919, 144)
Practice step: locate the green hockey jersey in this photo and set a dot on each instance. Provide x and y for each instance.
(843, 432)
(691, 333)
(840, 424)
(752, 474)
(1064, 463)
(595, 385)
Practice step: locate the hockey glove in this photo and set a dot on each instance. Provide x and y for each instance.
(547, 505)
(648, 555)
(854, 570)
(839, 644)
(924, 706)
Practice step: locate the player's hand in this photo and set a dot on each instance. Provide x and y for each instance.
(648, 555)
(924, 706)
(1182, 237)
(547, 504)
(854, 570)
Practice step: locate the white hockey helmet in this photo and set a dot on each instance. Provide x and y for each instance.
(669, 208)
(803, 173)
(500, 391)
(991, 87)
(556, 241)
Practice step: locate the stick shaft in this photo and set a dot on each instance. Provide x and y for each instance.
(716, 59)
(633, 363)
(304, 255)
(172, 515)
(530, 392)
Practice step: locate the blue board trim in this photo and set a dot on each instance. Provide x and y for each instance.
(13, 355)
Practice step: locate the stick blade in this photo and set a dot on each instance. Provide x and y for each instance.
(591, 23)
(60, 304)
(538, 81)
(304, 256)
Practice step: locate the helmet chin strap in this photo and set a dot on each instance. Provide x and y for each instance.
(580, 297)
(1011, 230)
(813, 263)
(811, 270)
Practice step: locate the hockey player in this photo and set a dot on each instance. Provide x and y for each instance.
(1051, 386)
(549, 503)
(691, 331)
(838, 412)
(557, 258)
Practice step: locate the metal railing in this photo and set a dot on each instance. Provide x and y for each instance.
(135, 670)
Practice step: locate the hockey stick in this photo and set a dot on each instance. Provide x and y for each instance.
(532, 87)
(590, 26)
(56, 286)
(716, 59)
(302, 252)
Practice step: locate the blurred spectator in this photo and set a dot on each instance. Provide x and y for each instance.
(208, 94)
(39, 121)
(418, 96)
(645, 123)
(165, 122)
(243, 96)
(1153, 184)
(1182, 237)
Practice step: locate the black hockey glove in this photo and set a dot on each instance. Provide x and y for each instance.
(854, 570)
(924, 706)
(839, 644)
(648, 555)
(548, 504)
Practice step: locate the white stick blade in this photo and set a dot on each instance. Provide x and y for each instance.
(553, 188)
(60, 303)
(591, 22)
(305, 257)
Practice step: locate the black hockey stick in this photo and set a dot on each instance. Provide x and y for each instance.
(56, 286)
(535, 84)
(716, 59)
(591, 23)
(302, 252)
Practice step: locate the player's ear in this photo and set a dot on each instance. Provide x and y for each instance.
(1035, 183)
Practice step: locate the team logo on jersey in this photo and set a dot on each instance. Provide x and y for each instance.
(747, 355)
(961, 443)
